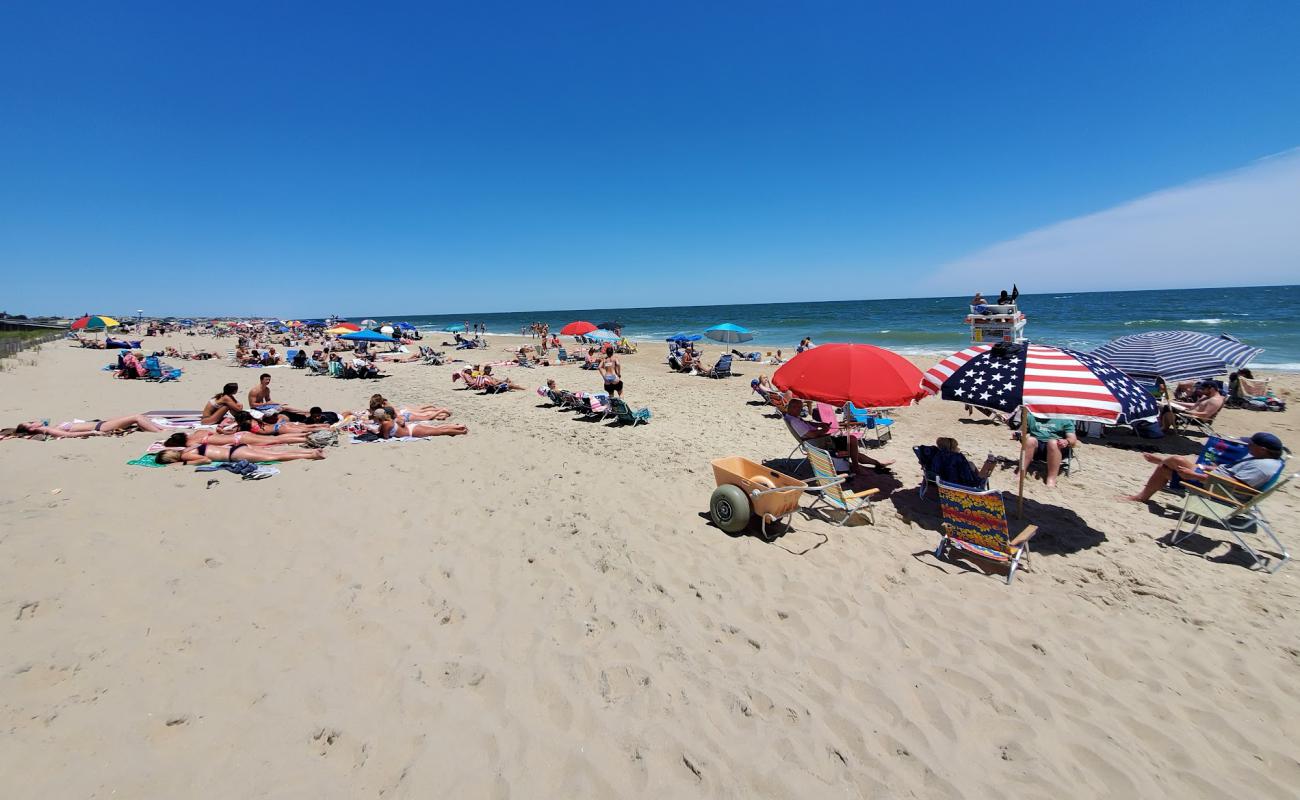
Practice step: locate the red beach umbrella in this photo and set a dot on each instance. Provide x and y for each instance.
(869, 376)
(577, 328)
(352, 326)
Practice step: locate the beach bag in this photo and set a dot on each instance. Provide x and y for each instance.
(321, 439)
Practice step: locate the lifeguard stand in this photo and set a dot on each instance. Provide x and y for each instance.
(993, 322)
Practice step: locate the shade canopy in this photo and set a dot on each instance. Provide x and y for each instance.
(1046, 381)
(577, 328)
(1177, 355)
(729, 333)
(864, 374)
(94, 323)
(366, 336)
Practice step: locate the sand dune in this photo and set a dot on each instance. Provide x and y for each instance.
(542, 609)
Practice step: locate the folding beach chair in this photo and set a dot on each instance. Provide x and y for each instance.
(841, 464)
(722, 369)
(882, 426)
(975, 524)
(832, 488)
(1237, 507)
(626, 415)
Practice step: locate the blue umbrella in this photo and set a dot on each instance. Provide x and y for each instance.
(366, 336)
(1177, 355)
(406, 326)
(454, 328)
(603, 336)
(684, 337)
(731, 334)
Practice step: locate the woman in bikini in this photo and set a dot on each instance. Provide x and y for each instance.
(221, 404)
(421, 413)
(200, 454)
(392, 429)
(80, 430)
(203, 436)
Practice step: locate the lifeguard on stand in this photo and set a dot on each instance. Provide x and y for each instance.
(992, 322)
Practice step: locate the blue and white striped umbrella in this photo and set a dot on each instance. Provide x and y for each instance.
(603, 336)
(1177, 355)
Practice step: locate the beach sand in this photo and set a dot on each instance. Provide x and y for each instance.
(542, 609)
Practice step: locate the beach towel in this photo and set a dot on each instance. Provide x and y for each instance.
(367, 438)
(248, 470)
(146, 460)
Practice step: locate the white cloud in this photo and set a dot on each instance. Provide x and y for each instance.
(1238, 228)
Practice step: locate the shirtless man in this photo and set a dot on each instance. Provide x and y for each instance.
(612, 372)
(259, 398)
(1211, 400)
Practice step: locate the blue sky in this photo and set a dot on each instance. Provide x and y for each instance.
(289, 159)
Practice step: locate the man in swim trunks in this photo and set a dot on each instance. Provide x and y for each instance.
(259, 398)
(612, 372)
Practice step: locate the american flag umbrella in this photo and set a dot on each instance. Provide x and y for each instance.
(1046, 381)
(1177, 355)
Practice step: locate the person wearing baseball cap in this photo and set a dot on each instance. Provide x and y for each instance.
(1261, 465)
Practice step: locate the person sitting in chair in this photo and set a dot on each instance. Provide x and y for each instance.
(1047, 438)
(948, 463)
(1260, 466)
(1206, 407)
(817, 434)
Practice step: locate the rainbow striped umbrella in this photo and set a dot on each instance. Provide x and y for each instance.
(94, 323)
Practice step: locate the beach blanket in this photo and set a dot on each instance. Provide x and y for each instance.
(248, 470)
(146, 460)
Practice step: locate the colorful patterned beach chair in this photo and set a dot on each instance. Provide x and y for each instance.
(975, 523)
(832, 488)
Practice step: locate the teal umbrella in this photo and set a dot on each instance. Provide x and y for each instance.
(731, 334)
(366, 336)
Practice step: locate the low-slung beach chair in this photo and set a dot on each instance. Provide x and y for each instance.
(722, 369)
(882, 426)
(625, 415)
(833, 493)
(1236, 507)
(801, 447)
(975, 524)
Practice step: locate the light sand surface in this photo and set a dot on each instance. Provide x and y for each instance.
(542, 609)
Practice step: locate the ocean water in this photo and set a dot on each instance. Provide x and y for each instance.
(1267, 317)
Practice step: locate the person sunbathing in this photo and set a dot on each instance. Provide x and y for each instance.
(491, 381)
(200, 454)
(222, 403)
(274, 424)
(390, 428)
(420, 413)
(817, 434)
(206, 436)
(1261, 465)
(80, 430)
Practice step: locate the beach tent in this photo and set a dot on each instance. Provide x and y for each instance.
(1177, 355)
(863, 374)
(728, 333)
(577, 328)
(366, 336)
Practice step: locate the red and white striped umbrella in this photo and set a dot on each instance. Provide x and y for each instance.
(1047, 381)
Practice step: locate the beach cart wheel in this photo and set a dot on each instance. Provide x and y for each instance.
(729, 508)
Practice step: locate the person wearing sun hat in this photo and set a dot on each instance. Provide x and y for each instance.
(1257, 469)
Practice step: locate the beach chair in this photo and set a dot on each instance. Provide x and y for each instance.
(1205, 427)
(937, 464)
(626, 415)
(975, 524)
(336, 369)
(882, 426)
(1238, 509)
(290, 354)
(155, 370)
(232, 357)
(599, 406)
(833, 493)
(801, 447)
(722, 369)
